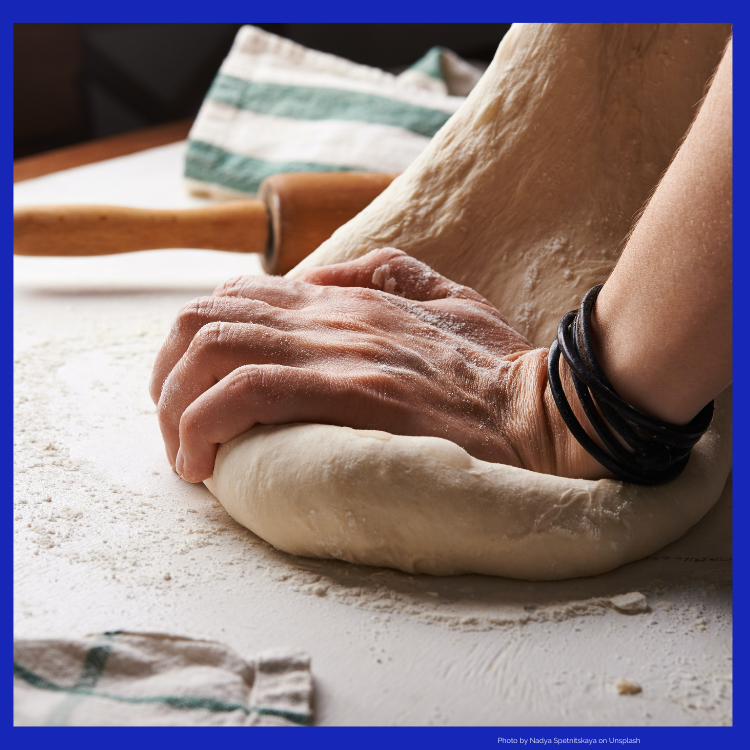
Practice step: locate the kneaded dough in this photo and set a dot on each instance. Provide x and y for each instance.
(526, 194)
(424, 505)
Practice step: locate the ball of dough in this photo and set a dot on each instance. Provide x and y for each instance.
(525, 195)
(424, 505)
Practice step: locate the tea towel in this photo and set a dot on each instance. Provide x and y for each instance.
(276, 106)
(152, 679)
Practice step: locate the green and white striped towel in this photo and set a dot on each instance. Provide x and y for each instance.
(151, 679)
(276, 106)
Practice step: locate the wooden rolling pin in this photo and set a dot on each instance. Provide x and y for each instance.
(294, 213)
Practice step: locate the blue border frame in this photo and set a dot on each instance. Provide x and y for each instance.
(137, 11)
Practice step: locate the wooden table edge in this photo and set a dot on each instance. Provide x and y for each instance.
(100, 149)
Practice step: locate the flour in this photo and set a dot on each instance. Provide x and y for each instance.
(65, 506)
(117, 563)
(106, 536)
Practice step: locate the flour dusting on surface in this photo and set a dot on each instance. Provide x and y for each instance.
(101, 520)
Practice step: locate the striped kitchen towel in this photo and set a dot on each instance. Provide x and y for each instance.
(151, 679)
(276, 106)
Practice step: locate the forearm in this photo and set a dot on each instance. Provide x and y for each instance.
(662, 322)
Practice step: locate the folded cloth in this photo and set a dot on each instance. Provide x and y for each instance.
(152, 679)
(276, 106)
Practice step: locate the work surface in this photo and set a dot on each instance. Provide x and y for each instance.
(108, 537)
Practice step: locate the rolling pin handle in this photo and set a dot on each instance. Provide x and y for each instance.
(305, 209)
(238, 226)
(295, 214)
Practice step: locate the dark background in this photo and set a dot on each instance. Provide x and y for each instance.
(75, 82)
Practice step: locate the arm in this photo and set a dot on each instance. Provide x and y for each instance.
(663, 321)
(386, 343)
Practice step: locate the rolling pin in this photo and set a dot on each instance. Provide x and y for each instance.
(294, 213)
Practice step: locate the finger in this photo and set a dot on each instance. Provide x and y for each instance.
(273, 394)
(217, 350)
(354, 272)
(200, 312)
(278, 291)
(392, 271)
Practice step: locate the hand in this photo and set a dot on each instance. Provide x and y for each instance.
(382, 342)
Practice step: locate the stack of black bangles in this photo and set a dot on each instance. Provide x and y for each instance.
(656, 451)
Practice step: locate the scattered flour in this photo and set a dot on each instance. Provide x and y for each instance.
(87, 502)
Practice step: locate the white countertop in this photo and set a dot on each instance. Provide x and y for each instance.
(108, 537)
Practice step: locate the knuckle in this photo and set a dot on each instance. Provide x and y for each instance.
(190, 423)
(245, 379)
(210, 336)
(194, 314)
(274, 381)
(232, 287)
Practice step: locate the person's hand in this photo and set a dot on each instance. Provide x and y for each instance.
(382, 342)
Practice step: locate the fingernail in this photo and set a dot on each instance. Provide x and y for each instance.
(179, 463)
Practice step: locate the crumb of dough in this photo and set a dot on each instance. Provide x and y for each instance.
(627, 687)
(631, 603)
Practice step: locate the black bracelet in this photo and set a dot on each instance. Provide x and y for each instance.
(657, 451)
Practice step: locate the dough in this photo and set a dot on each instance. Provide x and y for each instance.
(526, 195)
(424, 505)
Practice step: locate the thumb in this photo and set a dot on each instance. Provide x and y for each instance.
(394, 272)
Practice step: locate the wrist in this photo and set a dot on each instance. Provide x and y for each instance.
(529, 431)
(660, 372)
(572, 459)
